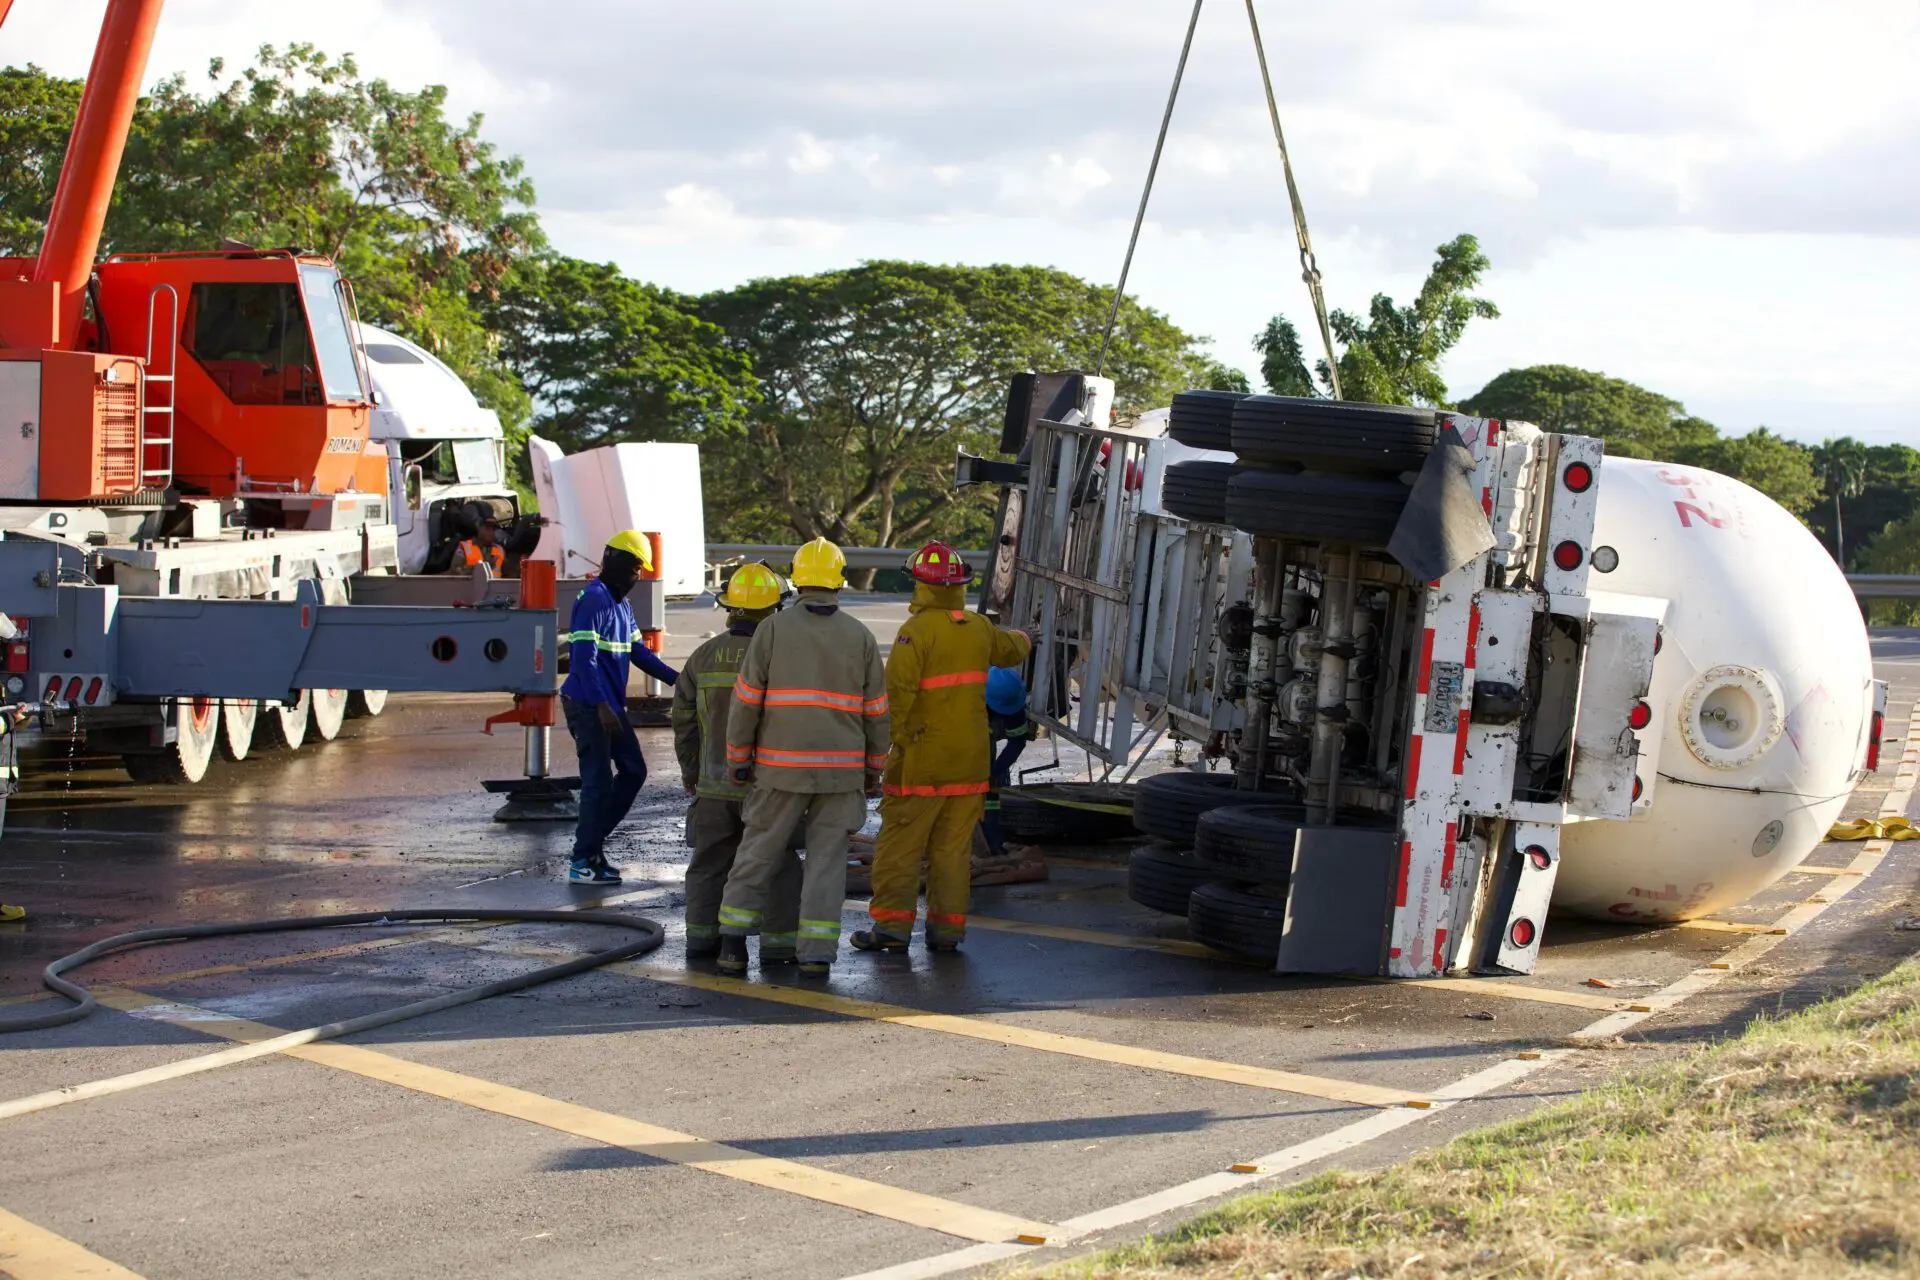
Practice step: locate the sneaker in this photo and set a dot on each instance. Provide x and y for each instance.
(815, 968)
(592, 873)
(733, 955)
(874, 940)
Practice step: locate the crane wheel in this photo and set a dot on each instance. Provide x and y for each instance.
(238, 719)
(329, 712)
(281, 725)
(365, 703)
(188, 757)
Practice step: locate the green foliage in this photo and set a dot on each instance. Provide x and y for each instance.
(1841, 466)
(1633, 421)
(607, 358)
(1895, 549)
(1780, 468)
(871, 377)
(1392, 355)
(1283, 366)
(1209, 374)
(36, 113)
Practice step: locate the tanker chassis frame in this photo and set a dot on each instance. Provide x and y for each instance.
(1438, 734)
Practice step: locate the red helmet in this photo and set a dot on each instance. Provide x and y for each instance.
(939, 565)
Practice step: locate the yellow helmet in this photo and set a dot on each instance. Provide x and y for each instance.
(752, 587)
(635, 544)
(819, 564)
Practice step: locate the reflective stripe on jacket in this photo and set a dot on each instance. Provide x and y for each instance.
(602, 643)
(937, 687)
(702, 700)
(809, 709)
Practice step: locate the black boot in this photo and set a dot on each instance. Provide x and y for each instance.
(733, 955)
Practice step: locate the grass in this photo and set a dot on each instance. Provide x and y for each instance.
(1792, 1150)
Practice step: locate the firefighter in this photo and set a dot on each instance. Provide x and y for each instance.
(1006, 723)
(602, 643)
(702, 698)
(937, 776)
(482, 548)
(808, 729)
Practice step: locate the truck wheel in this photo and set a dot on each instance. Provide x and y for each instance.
(1318, 508)
(281, 725)
(197, 721)
(1242, 922)
(1204, 419)
(1332, 435)
(1168, 805)
(1061, 813)
(238, 719)
(366, 703)
(329, 712)
(1163, 877)
(1252, 842)
(1197, 490)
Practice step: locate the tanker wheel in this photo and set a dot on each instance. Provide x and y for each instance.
(1332, 435)
(365, 703)
(1163, 877)
(1273, 504)
(281, 725)
(187, 758)
(238, 719)
(329, 712)
(1240, 921)
(1168, 805)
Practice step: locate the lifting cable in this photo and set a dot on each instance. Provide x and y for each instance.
(1153, 167)
(1309, 268)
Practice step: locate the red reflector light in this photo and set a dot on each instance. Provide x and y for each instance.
(1578, 477)
(93, 690)
(1568, 556)
(17, 656)
(1537, 854)
(1636, 787)
(1640, 717)
(53, 690)
(1659, 638)
(1873, 741)
(73, 688)
(1522, 933)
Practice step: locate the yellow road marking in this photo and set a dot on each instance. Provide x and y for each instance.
(1165, 946)
(1727, 926)
(28, 1252)
(977, 1028)
(949, 1217)
(1822, 871)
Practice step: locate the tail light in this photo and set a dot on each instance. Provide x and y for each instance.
(1637, 788)
(73, 688)
(1539, 857)
(1578, 477)
(53, 691)
(1522, 933)
(1568, 556)
(93, 690)
(17, 653)
(1640, 717)
(1879, 725)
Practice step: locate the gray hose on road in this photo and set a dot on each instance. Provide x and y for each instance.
(84, 1003)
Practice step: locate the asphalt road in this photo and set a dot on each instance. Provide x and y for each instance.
(1076, 1073)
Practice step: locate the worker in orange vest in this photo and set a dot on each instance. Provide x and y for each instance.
(482, 548)
(937, 777)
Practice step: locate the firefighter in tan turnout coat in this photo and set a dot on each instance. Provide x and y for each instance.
(808, 728)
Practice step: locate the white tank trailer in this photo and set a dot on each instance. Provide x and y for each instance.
(1763, 693)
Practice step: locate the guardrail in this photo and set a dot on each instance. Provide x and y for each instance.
(722, 555)
(1885, 586)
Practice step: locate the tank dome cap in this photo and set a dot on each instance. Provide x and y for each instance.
(1730, 716)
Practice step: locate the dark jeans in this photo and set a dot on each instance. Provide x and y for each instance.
(1002, 777)
(611, 774)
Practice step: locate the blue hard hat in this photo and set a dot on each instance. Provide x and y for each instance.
(1006, 691)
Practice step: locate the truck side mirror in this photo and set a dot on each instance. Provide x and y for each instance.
(416, 480)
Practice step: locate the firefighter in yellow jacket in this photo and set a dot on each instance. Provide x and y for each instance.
(937, 776)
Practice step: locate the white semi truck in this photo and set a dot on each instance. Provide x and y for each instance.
(1440, 672)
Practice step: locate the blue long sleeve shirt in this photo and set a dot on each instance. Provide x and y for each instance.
(602, 641)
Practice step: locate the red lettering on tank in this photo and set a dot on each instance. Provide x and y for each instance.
(1687, 509)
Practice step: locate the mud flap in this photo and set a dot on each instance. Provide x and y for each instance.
(1339, 901)
(1617, 670)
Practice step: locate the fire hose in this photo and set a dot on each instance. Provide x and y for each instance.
(84, 1003)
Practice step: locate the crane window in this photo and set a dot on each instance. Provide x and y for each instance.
(252, 340)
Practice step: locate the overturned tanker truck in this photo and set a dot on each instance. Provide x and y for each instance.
(1442, 672)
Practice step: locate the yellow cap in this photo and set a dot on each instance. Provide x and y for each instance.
(635, 544)
(752, 586)
(819, 564)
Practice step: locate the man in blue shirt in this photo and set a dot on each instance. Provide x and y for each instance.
(601, 643)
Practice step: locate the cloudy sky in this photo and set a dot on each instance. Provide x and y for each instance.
(1719, 199)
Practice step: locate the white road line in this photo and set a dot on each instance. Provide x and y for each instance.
(1509, 1072)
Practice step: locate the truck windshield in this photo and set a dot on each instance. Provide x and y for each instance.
(478, 461)
(332, 335)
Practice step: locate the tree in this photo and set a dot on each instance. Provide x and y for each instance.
(1895, 549)
(607, 358)
(1780, 468)
(1391, 356)
(871, 377)
(1633, 421)
(1841, 466)
(421, 213)
(1283, 366)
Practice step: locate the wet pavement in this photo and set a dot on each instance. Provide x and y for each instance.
(1069, 1064)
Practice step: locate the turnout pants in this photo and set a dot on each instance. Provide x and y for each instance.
(612, 771)
(770, 818)
(714, 828)
(939, 829)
